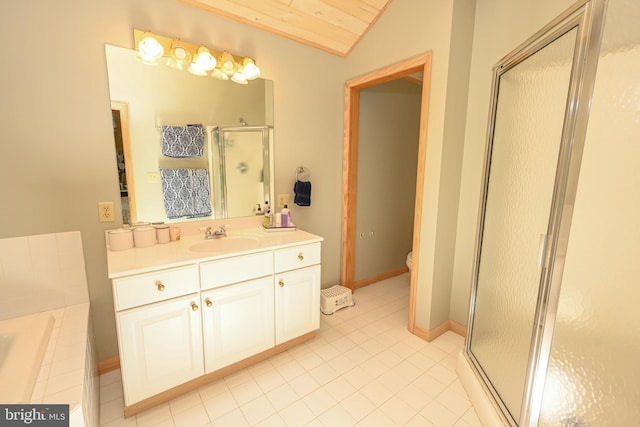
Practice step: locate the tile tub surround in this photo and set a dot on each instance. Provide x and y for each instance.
(41, 273)
(68, 372)
(363, 368)
(46, 273)
(24, 341)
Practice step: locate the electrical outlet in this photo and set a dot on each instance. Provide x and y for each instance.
(105, 212)
(283, 199)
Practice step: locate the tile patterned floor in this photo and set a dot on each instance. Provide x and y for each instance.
(363, 368)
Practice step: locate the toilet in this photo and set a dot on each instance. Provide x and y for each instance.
(409, 260)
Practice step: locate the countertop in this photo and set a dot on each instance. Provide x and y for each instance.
(180, 253)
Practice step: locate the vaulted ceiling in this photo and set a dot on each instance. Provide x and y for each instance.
(334, 26)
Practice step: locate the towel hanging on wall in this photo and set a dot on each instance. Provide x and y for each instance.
(302, 187)
(186, 192)
(183, 141)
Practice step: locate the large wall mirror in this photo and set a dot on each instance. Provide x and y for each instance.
(235, 163)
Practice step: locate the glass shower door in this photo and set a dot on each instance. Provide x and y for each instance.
(593, 378)
(243, 169)
(530, 101)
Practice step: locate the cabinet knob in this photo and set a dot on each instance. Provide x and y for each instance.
(208, 302)
(281, 283)
(300, 256)
(160, 286)
(194, 306)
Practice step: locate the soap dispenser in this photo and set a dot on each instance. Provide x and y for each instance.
(268, 216)
(285, 216)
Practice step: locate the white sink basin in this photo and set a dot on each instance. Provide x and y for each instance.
(225, 244)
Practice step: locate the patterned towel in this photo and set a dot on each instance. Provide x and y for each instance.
(183, 141)
(186, 192)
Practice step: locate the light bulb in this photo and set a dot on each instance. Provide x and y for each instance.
(228, 65)
(179, 56)
(149, 49)
(239, 78)
(203, 61)
(219, 74)
(250, 69)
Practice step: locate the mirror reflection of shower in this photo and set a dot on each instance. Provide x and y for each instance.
(239, 159)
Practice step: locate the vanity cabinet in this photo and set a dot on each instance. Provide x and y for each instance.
(238, 308)
(235, 269)
(159, 331)
(160, 285)
(161, 346)
(237, 322)
(297, 296)
(181, 327)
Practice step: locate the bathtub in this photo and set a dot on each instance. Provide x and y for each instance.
(23, 342)
(49, 358)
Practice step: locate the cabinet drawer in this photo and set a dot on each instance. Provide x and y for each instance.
(297, 257)
(160, 285)
(236, 269)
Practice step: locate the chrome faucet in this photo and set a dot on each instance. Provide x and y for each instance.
(220, 232)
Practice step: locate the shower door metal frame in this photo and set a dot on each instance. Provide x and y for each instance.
(588, 17)
(267, 160)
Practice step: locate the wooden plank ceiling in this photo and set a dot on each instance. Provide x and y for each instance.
(334, 26)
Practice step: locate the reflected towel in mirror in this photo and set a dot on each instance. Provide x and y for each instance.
(186, 192)
(183, 141)
(302, 190)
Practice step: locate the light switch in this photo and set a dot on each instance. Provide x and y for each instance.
(153, 177)
(283, 199)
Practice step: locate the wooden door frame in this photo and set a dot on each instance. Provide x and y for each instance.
(123, 108)
(421, 63)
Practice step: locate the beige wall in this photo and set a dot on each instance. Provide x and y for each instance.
(58, 159)
(405, 30)
(389, 123)
(408, 29)
(56, 114)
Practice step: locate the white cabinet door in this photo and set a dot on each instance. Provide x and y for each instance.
(238, 322)
(297, 302)
(160, 346)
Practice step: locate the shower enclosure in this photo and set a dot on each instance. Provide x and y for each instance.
(552, 333)
(241, 163)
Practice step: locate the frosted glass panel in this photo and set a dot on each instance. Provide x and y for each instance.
(527, 135)
(593, 377)
(244, 179)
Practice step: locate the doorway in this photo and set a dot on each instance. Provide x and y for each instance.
(120, 116)
(418, 64)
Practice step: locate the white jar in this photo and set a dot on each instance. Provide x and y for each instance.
(162, 233)
(120, 239)
(143, 237)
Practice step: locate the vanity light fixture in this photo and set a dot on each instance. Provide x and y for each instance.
(199, 60)
(228, 65)
(179, 56)
(149, 49)
(219, 74)
(250, 69)
(203, 62)
(239, 78)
